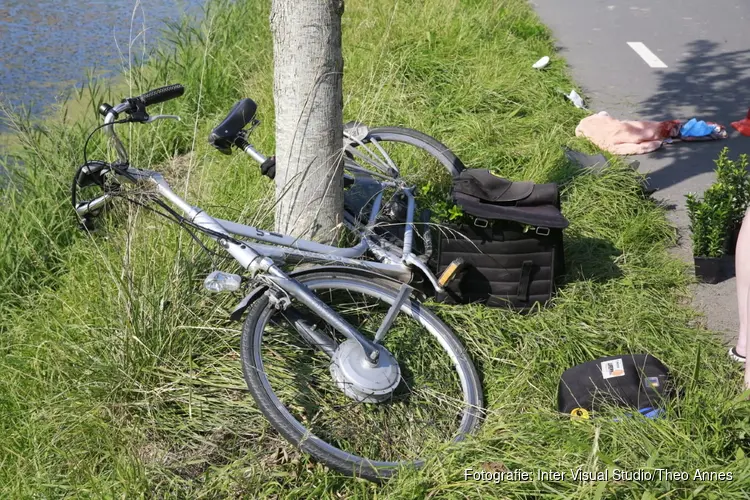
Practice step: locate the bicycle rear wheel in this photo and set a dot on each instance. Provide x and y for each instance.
(416, 155)
(438, 399)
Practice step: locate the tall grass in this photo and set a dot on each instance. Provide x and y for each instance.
(122, 378)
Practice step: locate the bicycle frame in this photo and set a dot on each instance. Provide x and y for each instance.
(260, 258)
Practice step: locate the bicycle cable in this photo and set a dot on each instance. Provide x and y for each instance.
(185, 224)
(171, 214)
(74, 187)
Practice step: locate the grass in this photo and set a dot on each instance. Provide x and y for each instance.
(121, 376)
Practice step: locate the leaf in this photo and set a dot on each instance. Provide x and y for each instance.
(697, 490)
(455, 212)
(600, 490)
(696, 369)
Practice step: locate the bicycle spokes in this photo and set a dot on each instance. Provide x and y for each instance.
(409, 401)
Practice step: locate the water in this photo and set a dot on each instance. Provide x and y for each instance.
(47, 46)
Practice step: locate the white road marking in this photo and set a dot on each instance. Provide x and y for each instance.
(648, 56)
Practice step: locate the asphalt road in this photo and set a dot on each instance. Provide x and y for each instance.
(705, 47)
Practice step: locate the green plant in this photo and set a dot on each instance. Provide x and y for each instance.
(734, 179)
(709, 220)
(437, 200)
(722, 207)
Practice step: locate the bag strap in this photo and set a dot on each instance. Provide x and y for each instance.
(523, 284)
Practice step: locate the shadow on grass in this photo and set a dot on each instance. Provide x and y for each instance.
(590, 259)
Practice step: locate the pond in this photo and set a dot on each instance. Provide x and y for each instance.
(49, 46)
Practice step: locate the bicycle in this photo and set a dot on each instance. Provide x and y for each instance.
(338, 352)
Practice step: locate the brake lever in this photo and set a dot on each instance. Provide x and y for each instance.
(162, 117)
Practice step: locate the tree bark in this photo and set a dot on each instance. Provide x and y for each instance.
(308, 96)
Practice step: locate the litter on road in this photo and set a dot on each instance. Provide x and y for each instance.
(576, 99)
(541, 63)
(625, 137)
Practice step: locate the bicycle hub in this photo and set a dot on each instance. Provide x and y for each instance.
(359, 378)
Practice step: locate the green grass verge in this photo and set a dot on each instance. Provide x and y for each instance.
(121, 377)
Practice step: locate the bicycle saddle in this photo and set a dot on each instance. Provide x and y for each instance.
(222, 137)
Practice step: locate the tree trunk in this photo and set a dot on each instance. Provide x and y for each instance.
(308, 96)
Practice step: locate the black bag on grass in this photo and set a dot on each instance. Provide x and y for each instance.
(484, 195)
(638, 381)
(510, 240)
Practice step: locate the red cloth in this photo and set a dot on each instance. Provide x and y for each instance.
(743, 126)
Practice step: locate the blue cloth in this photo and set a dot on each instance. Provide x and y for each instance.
(648, 412)
(651, 412)
(695, 128)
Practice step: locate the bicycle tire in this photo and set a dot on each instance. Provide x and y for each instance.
(432, 146)
(295, 432)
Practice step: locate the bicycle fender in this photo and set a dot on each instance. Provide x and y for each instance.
(251, 297)
(365, 273)
(257, 292)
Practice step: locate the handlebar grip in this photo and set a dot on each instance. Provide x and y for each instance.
(268, 167)
(161, 94)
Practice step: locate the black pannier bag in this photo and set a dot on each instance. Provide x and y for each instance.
(510, 240)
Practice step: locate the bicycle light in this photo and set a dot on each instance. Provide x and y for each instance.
(219, 281)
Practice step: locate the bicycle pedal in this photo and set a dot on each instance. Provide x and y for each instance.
(451, 271)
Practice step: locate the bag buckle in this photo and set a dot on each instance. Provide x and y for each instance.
(542, 231)
(481, 222)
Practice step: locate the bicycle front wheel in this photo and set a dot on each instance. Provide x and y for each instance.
(438, 399)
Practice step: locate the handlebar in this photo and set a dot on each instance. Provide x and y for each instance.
(137, 105)
(161, 94)
(136, 108)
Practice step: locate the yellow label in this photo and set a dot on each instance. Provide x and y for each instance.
(580, 413)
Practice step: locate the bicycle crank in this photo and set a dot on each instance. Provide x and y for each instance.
(360, 379)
